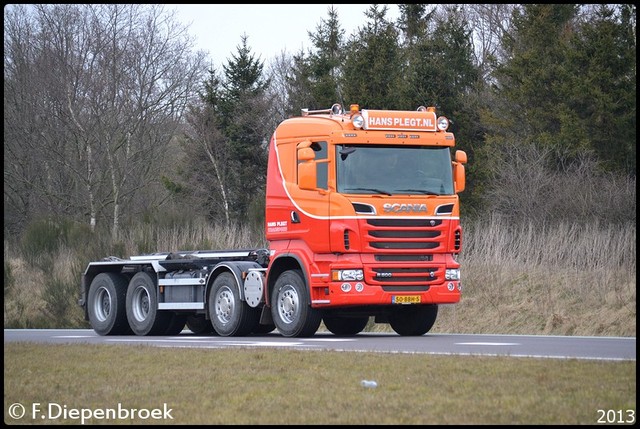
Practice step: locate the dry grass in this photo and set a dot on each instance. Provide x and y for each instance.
(566, 279)
(275, 386)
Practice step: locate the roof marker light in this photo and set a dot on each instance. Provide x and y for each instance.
(358, 121)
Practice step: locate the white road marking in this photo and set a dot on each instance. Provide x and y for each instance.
(330, 340)
(73, 336)
(488, 344)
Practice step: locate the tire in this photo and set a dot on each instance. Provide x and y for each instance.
(263, 329)
(142, 307)
(198, 324)
(345, 326)
(290, 306)
(229, 315)
(413, 320)
(106, 304)
(176, 325)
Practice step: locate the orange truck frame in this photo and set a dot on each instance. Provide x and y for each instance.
(363, 223)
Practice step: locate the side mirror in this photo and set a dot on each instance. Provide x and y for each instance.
(461, 157)
(308, 175)
(307, 170)
(458, 170)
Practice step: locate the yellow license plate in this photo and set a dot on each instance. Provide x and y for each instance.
(406, 299)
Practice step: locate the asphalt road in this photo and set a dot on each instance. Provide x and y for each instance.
(522, 346)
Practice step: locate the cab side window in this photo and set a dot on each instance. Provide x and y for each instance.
(320, 148)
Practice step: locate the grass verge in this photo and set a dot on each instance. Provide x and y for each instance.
(276, 386)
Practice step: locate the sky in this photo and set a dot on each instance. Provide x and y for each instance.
(271, 28)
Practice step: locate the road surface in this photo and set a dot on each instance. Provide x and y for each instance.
(521, 346)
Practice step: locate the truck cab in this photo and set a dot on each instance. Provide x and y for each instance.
(363, 205)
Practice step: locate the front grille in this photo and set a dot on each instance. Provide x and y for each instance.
(395, 242)
(404, 234)
(403, 258)
(402, 245)
(404, 275)
(405, 222)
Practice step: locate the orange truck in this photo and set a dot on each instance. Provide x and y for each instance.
(363, 223)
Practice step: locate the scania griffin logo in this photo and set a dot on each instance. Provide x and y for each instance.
(399, 208)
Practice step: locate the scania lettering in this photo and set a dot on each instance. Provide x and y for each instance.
(405, 207)
(362, 218)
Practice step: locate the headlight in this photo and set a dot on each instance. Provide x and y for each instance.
(452, 274)
(347, 275)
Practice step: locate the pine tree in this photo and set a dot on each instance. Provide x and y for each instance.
(372, 68)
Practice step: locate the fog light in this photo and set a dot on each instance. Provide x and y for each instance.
(359, 287)
(451, 286)
(346, 287)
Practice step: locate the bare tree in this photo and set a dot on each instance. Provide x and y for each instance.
(214, 168)
(109, 84)
(490, 23)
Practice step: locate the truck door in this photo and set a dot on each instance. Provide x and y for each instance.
(310, 214)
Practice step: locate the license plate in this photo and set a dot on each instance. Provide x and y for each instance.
(406, 299)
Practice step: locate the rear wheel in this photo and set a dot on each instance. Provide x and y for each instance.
(176, 325)
(290, 306)
(263, 329)
(106, 304)
(229, 315)
(413, 320)
(345, 325)
(142, 307)
(198, 324)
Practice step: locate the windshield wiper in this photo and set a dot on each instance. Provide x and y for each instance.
(377, 191)
(418, 191)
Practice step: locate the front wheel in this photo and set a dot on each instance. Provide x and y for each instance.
(345, 326)
(413, 320)
(290, 306)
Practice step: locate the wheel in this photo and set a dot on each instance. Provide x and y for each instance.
(229, 315)
(106, 304)
(142, 307)
(176, 325)
(198, 324)
(344, 325)
(413, 320)
(290, 307)
(263, 329)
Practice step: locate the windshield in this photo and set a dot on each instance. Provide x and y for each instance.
(394, 170)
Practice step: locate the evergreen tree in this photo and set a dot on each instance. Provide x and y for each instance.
(602, 89)
(244, 111)
(372, 68)
(532, 81)
(300, 85)
(227, 147)
(569, 85)
(414, 23)
(325, 62)
(439, 71)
